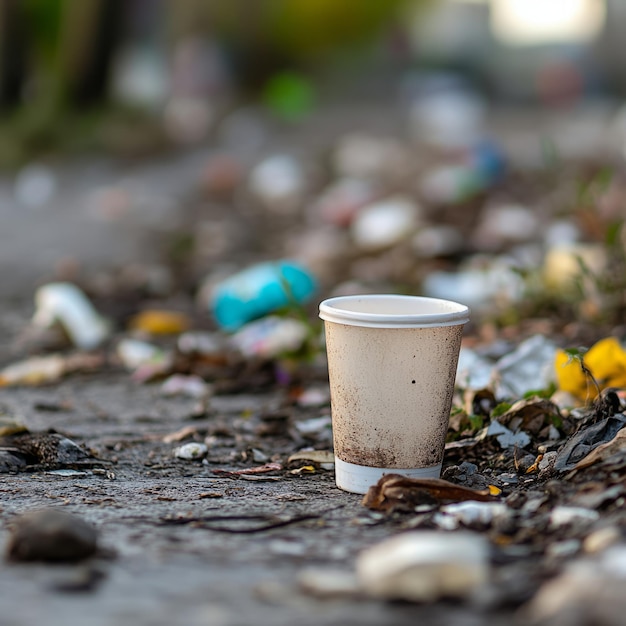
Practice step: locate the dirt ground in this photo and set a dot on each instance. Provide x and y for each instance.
(160, 573)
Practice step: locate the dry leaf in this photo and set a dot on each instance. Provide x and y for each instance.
(394, 491)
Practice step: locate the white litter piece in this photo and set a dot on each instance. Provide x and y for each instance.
(67, 305)
(567, 515)
(507, 438)
(473, 371)
(134, 353)
(385, 223)
(454, 515)
(190, 386)
(529, 367)
(425, 566)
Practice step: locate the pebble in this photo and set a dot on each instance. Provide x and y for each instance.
(547, 462)
(425, 566)
(191, 451)
(51, 535)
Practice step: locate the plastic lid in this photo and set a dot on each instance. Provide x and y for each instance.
(393, 311)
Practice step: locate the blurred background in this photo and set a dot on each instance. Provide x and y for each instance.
(141, 138)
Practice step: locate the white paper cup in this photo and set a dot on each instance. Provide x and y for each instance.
(392, 363)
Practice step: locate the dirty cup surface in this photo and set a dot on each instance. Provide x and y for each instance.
(392, 363)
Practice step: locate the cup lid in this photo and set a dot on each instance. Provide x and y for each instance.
(393, 311)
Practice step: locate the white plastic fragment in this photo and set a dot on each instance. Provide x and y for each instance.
(385, 223)
(314, 425)
(425, 566)
(33, 371)
(314, 396)
(201, 342)
(478, 287)
(566, 515)
(507, 438)
(134, 353)
(473, 371)
(528, 368)
(270, 337)
(467, 513)
(67, 305)
(180, 385)
(278, 181)
(191, 451)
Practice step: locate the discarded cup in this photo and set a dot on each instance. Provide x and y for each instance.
(392, 362)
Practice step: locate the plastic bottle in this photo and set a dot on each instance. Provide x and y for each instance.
(258, 291)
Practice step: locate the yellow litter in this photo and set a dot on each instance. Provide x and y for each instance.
(159, 322)
(606, 360)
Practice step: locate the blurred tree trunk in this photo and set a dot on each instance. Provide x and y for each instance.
(90, 30)
(12, 64)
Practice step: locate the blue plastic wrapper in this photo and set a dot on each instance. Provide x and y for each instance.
(260, 290)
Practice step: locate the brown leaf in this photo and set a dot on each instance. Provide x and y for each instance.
(394, 491)
(531, 414)
(261, 469)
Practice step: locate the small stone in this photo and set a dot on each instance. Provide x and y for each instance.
(547, 461)
(51, 535)
(191, 451)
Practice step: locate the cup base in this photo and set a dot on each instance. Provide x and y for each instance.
(359, 478)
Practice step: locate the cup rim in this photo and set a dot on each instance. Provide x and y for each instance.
(435, 312)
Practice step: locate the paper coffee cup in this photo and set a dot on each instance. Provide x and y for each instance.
(392, 363)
